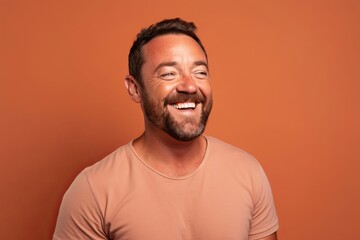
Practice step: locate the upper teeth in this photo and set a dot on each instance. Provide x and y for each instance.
(184, 105)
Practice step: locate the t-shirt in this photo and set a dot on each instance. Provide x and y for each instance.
(121, 197)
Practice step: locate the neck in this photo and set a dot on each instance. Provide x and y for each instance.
(168, 155)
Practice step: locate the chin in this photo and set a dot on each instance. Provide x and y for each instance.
(185, 136)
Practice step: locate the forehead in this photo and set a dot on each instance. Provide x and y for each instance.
(170, 46)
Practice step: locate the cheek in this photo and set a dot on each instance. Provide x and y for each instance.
(205, 88)
(163, 89)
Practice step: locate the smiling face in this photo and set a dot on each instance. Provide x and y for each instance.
(176, 94)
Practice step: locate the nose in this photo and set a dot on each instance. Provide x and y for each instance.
(187, 85)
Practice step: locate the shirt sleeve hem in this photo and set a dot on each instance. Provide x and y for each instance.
(265, 232)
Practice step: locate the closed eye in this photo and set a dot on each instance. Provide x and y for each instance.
(168, 75)
(202, 74)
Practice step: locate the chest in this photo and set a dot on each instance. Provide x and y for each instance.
(184, 210)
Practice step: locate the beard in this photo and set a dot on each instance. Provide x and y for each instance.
(188, 128)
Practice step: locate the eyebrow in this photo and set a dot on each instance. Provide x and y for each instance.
(201, 63)
(173, 63)
(165, 64)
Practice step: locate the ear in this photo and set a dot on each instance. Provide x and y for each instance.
(132, 88)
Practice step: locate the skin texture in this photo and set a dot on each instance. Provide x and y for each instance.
(177, 75)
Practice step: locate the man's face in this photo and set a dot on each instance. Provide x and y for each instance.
(176, 95)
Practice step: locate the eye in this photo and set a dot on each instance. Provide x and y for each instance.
(201, 74)
(168, 75)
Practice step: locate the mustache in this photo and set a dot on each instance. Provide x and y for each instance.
(184, 97)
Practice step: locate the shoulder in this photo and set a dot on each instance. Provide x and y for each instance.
(118, 160)
(227, 152)
(233, 162)
(106, 175)
(83, 206)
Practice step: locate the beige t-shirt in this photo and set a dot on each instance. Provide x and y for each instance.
(228, 197)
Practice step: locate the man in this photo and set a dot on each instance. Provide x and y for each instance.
(172, 182)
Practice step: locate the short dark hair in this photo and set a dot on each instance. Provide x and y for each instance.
(167, 26)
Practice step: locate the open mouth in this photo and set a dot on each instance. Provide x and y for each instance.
(184, 106)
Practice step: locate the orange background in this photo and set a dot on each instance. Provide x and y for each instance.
(285, 77)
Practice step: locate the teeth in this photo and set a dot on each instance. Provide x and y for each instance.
(184, 105)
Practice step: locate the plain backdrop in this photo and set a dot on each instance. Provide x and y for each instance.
(285, 76)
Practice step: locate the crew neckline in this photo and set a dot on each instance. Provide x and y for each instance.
(189, 175)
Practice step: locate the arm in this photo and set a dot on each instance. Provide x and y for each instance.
(265, 222)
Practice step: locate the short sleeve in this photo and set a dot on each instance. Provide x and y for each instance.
(265, 220)
(79, 215)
